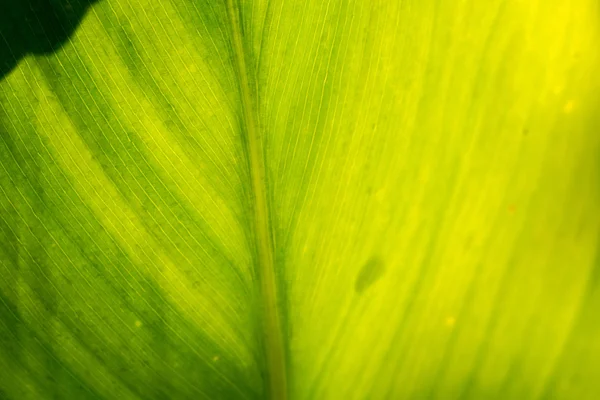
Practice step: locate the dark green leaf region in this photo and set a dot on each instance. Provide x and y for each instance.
(36, 27)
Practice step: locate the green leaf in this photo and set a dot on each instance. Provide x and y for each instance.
(368, 199)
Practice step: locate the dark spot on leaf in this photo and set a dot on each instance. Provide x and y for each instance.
(370, 273)
(36, 27)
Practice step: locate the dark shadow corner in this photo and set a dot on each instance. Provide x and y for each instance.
(36, 27)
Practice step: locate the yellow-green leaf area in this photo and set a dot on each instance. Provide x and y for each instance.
(284, 199)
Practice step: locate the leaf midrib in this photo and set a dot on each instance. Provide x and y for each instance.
(271, 321)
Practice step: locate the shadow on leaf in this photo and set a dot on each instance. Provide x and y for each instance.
(36, 27)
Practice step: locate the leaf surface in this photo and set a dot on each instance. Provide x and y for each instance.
(310, 199)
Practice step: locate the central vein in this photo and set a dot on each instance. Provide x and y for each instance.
(271, 321)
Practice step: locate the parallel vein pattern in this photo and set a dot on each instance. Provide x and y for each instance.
(317, 199)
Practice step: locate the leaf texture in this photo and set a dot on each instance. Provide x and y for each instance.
(339, 199)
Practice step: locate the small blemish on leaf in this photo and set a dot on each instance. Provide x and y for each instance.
(569, 105)
(370, 273)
